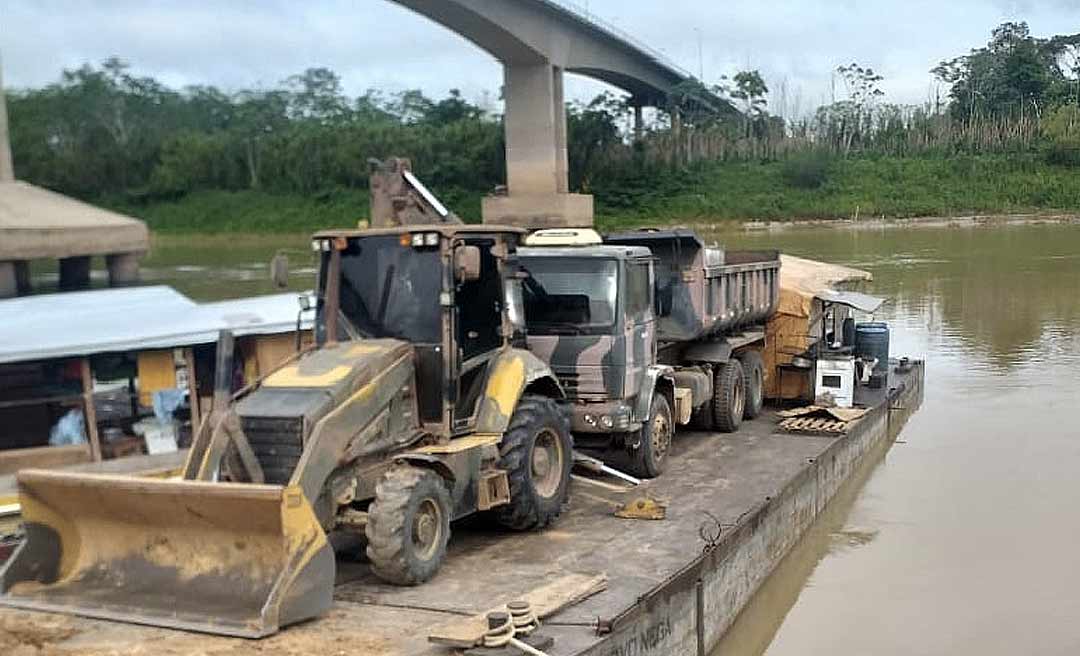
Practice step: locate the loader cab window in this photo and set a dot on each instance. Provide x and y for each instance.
(391, 290)
(479, 319)
(570, 296)
(479, 305)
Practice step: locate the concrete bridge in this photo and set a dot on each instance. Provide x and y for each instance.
(536, 41)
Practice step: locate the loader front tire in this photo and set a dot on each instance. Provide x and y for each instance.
(408, 525)
(537, 452)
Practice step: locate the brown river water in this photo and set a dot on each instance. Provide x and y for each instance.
(964, 538)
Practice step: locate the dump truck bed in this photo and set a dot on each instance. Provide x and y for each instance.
(705, 291)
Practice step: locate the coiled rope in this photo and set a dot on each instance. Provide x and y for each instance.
(518, 620)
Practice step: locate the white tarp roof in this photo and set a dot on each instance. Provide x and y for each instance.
(131, 319)
(863, 302)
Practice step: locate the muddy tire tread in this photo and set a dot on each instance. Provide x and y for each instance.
(525, 511)
(753, 400)
(388, 516)
(729, 375)
(641, 464)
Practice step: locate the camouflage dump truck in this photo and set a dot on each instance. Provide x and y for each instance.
(648, 330)
(417, 407)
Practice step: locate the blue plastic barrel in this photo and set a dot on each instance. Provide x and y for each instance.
(872, 341)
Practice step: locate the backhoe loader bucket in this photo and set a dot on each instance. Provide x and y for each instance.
(228, 558)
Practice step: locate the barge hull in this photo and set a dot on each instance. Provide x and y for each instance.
(691, 611)
(736, 505)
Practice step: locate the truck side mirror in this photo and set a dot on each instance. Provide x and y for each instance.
(279, 270)
(467, 263)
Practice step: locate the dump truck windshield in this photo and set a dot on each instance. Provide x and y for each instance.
(391, 290)
(570, 295)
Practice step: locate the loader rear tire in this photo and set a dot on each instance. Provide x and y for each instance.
(754, 381)
(729, 397)
(408, 525)
(537, 452)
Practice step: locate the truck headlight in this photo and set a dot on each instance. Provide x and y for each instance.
(431, 239)
(606, 421)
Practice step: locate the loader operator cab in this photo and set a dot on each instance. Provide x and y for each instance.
(406, 284)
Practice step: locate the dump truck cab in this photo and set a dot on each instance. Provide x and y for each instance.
(417, 406)
(591, 317)
(648, 330)
(591, 314)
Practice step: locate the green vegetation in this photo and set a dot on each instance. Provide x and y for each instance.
(710, 192)
(251, 210)
(865, 187)
(295, 157)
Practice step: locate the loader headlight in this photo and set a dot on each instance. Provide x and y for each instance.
(422, 239)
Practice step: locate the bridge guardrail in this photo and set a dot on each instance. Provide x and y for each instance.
(580, 13)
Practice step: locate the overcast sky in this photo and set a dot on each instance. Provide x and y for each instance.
(378, 44)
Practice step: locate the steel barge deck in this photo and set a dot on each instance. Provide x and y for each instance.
(737, 503)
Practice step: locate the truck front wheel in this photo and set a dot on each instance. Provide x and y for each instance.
(537, 454)
(408, 525)
(729, 397)
(654, 440)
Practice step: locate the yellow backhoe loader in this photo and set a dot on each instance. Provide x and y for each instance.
(418, 406)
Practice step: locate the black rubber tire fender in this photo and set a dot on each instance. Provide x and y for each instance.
(754, 383)
(398, 497)
(528, 508)
(728, 397)
(646, 461)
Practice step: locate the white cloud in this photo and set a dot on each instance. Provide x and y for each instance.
(375, 43)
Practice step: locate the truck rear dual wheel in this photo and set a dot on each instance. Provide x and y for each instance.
(537, 453)
(654, 440)
(729, 396)
(408, 525)
(754, 383)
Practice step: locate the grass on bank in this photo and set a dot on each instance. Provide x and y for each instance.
(250, 211)
(811, 188)
(890, 187)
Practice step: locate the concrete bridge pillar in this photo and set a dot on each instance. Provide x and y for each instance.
(7, 171)
(9, 285)
(74, 273)
(537, 170)
(123, 269)
(14, 278)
